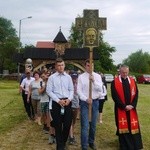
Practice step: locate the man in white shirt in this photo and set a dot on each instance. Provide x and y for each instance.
(25, 87)
(83, 92)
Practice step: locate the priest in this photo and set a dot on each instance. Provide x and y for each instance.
(124, 93)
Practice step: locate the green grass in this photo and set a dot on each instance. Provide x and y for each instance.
(11, 108)
(12, 115)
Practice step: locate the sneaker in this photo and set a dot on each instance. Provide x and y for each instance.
(92, 146)
(84, 149)
(72, 141)
(50, 139)
(39, 122)
(36, 120)
(54, 139)
(65, 148)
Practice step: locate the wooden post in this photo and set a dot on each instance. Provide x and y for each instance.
(90, 83)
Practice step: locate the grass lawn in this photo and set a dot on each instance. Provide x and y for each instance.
(17, 132)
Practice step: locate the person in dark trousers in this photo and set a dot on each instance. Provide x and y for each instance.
(60, 89)
(124, 92)
(22, 92)
(103, 98)
(25, 88)
(75, 108)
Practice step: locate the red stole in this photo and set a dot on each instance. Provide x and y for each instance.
(122, 118)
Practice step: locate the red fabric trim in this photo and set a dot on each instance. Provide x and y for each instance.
(134, 121)
(122, 118)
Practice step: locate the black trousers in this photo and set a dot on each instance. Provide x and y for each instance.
(28, 106)
(101, 104)
(23, 98)
(62, 124)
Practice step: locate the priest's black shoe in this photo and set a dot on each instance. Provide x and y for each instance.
(92, 146)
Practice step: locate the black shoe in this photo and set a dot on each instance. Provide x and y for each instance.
(84, 148)
(71, 140)
(65, 147)
(92, 146)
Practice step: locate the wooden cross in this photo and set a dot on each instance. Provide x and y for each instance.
(90, 24)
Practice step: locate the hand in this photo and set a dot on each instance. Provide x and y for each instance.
(67, 102)
(61, 103)
(91, 77)
(129, 107)
(20, 90)
(89, 101)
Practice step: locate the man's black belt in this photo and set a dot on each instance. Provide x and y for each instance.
(63, 98)
(95, 99)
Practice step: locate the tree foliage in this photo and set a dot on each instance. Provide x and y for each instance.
(138, 62)
(105, 62)
(8, 44)
(75, 37)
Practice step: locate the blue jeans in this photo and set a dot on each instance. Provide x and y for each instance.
(88, 128)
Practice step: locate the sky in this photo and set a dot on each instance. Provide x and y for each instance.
(128, 21)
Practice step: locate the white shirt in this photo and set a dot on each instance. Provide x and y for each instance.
(44, 95)
(26, 83)
(83, 86)
(103, 93)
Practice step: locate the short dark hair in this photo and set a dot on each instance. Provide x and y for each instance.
(36, 72)
(87, 61)
(59, 60)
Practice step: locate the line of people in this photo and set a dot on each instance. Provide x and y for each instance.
(57, 97)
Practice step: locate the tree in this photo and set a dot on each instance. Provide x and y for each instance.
(105, 62)
(138, 62)
(75, 37)
(105, 52)
(29, 46)
(8, 44)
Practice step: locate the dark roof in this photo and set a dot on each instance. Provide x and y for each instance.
(60, 38)
(39, 53)
(49, 53)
